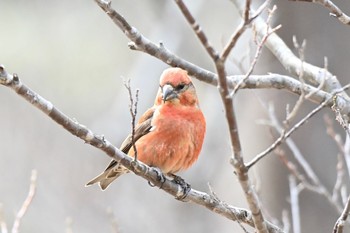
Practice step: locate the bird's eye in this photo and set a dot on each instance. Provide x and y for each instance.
(180, 87)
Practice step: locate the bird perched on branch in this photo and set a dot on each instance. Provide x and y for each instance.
(169, 135)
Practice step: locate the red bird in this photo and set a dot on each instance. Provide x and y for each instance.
(170, 134)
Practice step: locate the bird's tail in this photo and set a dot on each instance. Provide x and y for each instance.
(108, 176)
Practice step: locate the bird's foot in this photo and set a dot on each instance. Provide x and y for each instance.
(186, 188)
(160, 177)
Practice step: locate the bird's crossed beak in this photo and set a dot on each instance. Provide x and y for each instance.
(168, 92)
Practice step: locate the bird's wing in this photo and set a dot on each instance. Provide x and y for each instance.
(114, 170)
(140, 130)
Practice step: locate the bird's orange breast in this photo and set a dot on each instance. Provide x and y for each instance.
(176, 139)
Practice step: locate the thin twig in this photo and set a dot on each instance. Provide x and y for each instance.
(247, 20)
(339, 225)
(347, 153)
(339, 183)
(331, 132)
(197, 29)
(292, 168)
(301, 99)
(133, 112)
(294, 128)
(269, 31)
(316, 186)
(336, 12)
(339, 180)
(323, 80)
(26, 203)
(286, 57)
(215, 196)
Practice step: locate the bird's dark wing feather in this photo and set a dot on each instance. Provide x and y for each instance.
(114, 170)
(140, 131)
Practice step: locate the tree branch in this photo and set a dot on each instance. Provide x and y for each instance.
(285, 135)
(290, 62)
(336, 12)
(339, 225)
(227, 99)
(274, 43)
(140, 169)
(294, 203)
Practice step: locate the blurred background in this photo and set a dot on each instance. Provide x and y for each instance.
(72, 54)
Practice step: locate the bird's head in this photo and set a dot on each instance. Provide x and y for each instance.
(175, 87)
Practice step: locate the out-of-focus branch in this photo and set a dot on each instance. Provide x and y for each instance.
(347, 153)
(339, 184)
(315, 185)
(335, 11)
(294, 203)
(285, 135)
(201, 198)
(26, 203)
(3, 226)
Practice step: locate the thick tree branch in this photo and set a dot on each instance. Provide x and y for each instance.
(140, 169)
(237, 156)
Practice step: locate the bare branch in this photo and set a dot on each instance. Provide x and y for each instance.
(286, 222)
(140, 169)
(323, 80)
(197, 29)
(285, 135)
(223, 86)
(294, 203)
(214, 195)
(292, 168)
(301, 99)
(338, 227)
(133, 112)
(290, 84)
(258, 50)
(276, 45)
(339, 180)
(26, 203)
(316, 186)
(336, 12)
(347, 153)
